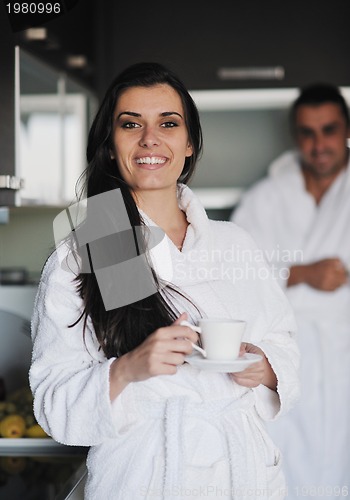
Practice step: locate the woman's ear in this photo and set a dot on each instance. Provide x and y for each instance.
(189, 150)
(111, 155)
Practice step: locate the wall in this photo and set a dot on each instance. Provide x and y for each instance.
(239, 145)
(28, 238)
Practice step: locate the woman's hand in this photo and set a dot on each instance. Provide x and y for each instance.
(160, 354)
(256, 374)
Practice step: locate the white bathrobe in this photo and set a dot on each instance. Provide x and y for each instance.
(285, 221)
(195, 433)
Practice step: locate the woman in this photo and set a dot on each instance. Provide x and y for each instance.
(117, 380)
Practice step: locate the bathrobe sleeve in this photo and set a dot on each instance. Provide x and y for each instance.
(272, 326)
(275, 333)
(69, 382)
(280, 347)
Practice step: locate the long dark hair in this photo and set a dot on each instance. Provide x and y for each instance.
(122, 329)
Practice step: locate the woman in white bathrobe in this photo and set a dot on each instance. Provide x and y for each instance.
(114, 377)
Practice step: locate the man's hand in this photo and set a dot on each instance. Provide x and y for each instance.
(326, 274)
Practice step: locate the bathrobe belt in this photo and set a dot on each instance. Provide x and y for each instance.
(174, 411)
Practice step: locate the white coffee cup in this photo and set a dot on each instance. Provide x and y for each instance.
(221, 338)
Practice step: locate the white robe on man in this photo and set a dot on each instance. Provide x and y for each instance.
(292, 229)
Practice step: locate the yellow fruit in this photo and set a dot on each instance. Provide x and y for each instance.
(35, 431)
(12, 426)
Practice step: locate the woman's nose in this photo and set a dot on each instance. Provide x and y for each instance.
(149, 137)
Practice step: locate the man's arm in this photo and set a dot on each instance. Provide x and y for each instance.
(326, 274)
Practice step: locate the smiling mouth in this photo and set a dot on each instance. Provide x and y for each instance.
(150, 160)
(321, 158)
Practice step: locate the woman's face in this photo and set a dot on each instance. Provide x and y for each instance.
(150, 138)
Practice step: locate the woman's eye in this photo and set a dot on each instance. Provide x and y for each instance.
(130, 125)
(169, 124)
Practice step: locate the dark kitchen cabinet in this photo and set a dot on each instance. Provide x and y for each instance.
(69, 40)
(7, 112)
(309, 39)
(50, 116)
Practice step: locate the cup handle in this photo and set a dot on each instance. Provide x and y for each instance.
(198, 330)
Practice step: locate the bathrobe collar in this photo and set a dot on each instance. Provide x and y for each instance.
(197, 246)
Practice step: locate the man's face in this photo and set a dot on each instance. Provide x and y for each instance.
(321, 135)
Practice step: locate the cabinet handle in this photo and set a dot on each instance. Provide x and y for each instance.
(252, 73)
(11, 182)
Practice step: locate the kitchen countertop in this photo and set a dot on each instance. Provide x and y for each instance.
(40, 469)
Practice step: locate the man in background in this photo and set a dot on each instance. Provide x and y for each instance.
(300, 216)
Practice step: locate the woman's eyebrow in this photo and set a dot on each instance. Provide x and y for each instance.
(129, 113)
(169, 113)
(138, 115)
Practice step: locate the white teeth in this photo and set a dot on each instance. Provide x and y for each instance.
(150, 160)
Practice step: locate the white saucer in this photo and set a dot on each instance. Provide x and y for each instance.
(234, 366)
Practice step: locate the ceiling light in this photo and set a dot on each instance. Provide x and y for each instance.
(34, 34)
(77, 61)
